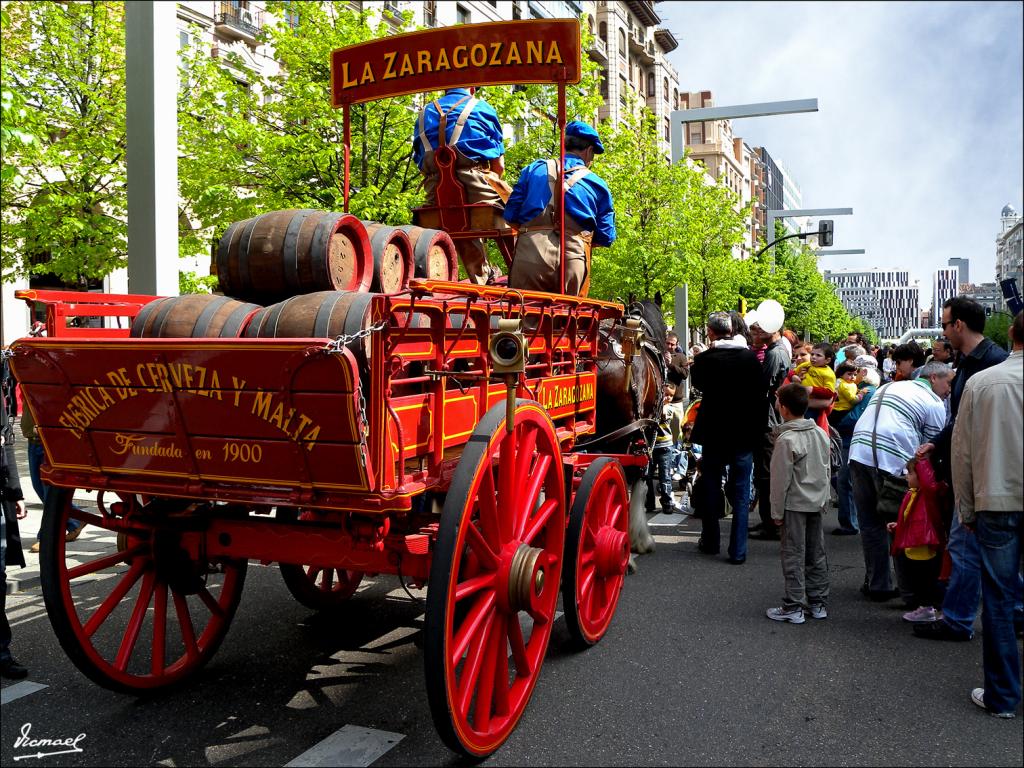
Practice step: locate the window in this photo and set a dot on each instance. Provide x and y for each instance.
(668, 130)
(461, 15)
(182, 39)
(604, 84)
(665, 86)
(517, 10)
(622, 44)
(391, 6)
(650, 83)
(602, 30)
(430, 13)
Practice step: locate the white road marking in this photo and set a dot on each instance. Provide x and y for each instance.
(351, 745)
(663, 519)
(16, 691)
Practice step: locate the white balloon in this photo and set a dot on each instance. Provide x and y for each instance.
(770, 315)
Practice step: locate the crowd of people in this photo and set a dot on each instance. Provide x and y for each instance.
(922, 451)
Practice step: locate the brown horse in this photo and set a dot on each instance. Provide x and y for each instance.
(628, 414)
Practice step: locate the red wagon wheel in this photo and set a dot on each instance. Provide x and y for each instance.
(320, 589)
(597, 547)
(494, 579)
(159, 613)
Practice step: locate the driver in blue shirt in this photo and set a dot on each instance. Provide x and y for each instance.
(472, 129)
(589, 217)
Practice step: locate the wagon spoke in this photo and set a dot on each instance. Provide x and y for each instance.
(313, 572)
(541, 519)
(107, 606)
(485, 691)
(518, 645)
(99, 563)
(474, 585)
(489, 509)
(188, 634)
(211, 602)
(525, 450)
(501, 664)
(532, 492)
(508, 493)
(471, 626)
(328, 582)
(86, 517)
(587, 583)
(159, 628)
(616, 515)
(483, 551)
(131, 633)
(471, 670)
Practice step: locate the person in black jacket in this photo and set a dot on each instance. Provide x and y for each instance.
(774, 367)
(12, 501)
(729, 426)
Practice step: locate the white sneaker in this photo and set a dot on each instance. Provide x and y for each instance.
(792, 615)
(818, 611)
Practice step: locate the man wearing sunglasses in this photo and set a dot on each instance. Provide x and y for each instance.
(963, 323)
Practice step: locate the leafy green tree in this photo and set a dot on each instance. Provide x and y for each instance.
(64, 201)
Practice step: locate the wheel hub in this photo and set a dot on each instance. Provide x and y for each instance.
(612, 552)
(526, 578)
(175, 565)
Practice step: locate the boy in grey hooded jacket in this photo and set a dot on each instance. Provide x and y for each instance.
(799, 493)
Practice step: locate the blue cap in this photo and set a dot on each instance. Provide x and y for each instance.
(584, 131)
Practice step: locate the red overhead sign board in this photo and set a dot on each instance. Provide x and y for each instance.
(532, 51)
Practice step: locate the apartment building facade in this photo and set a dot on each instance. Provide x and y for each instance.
(987, 294)
(884, 299)
(1010, 249)
(945, 284)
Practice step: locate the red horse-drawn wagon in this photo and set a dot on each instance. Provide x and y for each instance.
(431, 433)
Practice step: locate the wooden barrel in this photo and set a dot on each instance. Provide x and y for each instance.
(284, 253)
(194, 315)
(433, 253)
(392, 257)
(324, 314)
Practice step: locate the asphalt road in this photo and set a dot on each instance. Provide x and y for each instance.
(691, 672)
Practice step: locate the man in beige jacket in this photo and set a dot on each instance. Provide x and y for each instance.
(988, 483)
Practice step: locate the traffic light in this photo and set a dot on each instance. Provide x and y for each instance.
(824, 233)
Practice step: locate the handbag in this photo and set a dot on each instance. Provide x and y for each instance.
(892, 489)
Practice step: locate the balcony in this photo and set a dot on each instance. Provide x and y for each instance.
(598, 50)
(238, 23)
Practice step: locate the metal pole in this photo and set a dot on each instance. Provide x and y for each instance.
(561, 186)
(347, 142)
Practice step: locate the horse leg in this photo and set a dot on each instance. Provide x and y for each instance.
(640, 538)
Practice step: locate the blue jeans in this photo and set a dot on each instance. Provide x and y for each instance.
(36, 454)
(847, 508)
(999, 537)
(714, 463)
(663, 458)
(963, 595)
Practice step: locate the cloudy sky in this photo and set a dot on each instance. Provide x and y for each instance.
(919, 129)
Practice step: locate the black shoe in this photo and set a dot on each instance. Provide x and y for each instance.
(881, 595)
(12, 670)
(734, 561)
(705, 550)
(940, 630)
(845, 531)
(673, 510)
(755, 528)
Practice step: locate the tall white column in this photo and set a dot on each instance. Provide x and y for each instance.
(152, 127)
